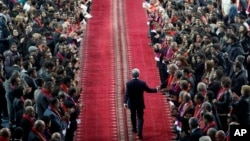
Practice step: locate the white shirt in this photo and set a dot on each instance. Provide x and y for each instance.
(226, 4)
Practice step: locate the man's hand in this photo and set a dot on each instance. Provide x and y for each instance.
(158, 88)
(125, 106)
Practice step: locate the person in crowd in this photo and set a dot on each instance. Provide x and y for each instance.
(205, 138)
(196, 132)
(239, 78)
(241, 107)
(55, 116)
(36, 133)
(47, 133)
(211, 133)
(220, 135)
(56, 137)
(27, 121)
(183, 113)
(10, 55)
(73, 108)
(198, 100)
(43, 99)
(209, 122)
(223, 101)
(18, 134)
(30, 80)
(5, 134)
(202, 88)
(16, 66)
(135, 102)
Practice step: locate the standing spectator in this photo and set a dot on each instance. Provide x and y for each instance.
(220, 136)
(27, 121)
(56, 119)
(44, 98)
(5, 134)
(18, 134)
(9, 85)
(211, 133)
(196, 132)
(209, 122)
(199, 69)
(9, 56)
(239, 78)
(40, 84)
(242, 107)
(223, 101)
(4, 32)
(74, 108)
(47, 133)
(198, 99)
(3, 104)
(16, 66)
(36, 133)
(45, 70)
(31, 82)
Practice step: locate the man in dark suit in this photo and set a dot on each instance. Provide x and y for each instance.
(36, 134)
(196, 132)
(134, 100)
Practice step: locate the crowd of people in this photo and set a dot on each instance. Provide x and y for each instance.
(40, 68)
(202, 54)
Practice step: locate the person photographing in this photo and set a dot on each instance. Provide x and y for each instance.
(134, 100)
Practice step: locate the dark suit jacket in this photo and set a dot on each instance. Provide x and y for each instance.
(33, 137)
(242, 110)
(27, 126)
(194, 136)
(42, 104)
(134, 93)
(56, 121)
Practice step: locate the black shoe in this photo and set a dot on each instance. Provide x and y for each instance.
(134, 131)
(139, 137)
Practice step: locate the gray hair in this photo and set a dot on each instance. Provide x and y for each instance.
(135, 72)
(38, 124)
(193, 122)
(206, 106)
(201, 87)
(205, 138)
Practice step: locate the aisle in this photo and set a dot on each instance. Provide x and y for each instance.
(157, 122)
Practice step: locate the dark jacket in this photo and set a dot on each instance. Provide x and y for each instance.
(238, 80)
(195, 135)
(134, 93)
(242, 110)
(56, 120)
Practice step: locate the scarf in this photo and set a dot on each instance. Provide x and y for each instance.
(56, 112)
(29, 118)
(40, 135)
(64, 88)
(197, 111)
(46, 93)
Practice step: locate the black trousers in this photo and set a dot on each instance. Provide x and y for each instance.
(137, 120)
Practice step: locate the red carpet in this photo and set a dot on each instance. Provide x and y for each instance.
(157, 119)
(98, 116)
(114, 43)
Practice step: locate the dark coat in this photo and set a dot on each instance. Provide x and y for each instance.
(56, 121)
(27, 126)
(194, 136)
(42, 103)
(242, 110)
(238, 80)
(134, 93)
